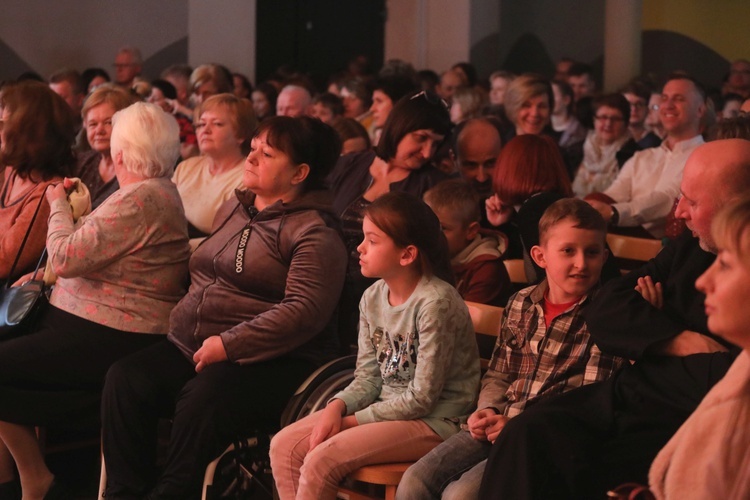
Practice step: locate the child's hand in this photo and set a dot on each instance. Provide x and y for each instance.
(330, 423)
(497, 422)
(653, 293)
(497, 213)
(478, 422)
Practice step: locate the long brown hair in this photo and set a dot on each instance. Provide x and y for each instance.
(407, 220)
(39, 131)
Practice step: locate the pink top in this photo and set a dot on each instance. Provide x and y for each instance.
(15, 218)
(125, 264)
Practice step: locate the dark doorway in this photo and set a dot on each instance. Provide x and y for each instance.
(318, 37)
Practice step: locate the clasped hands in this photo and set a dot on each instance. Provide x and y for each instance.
(485, 424)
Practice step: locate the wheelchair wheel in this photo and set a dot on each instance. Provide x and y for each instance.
(243, 472)
(319, 387)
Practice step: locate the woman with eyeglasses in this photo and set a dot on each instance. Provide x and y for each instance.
(415, 127)
(607, 147)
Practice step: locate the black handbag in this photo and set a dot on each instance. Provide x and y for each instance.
(19, 305)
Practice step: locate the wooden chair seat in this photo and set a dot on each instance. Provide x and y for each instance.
(388, 475)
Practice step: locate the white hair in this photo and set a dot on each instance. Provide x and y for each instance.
(299, 90)
(148, 138)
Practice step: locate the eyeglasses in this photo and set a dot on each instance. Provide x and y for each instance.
(613, 119)
(638, 105)
(431, 98)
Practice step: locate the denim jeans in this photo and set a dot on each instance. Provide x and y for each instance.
(453, 469)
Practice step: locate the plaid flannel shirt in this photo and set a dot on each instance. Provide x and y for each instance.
(531, 361)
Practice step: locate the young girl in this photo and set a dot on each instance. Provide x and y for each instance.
(417, 367)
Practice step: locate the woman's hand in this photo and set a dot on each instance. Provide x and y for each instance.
(60, 190)
(212, 351)
(330, 423)
(497, 213)
(56, 192)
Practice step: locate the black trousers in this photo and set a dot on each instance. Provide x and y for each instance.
(209, 411)
(578, 445)
(56, 374)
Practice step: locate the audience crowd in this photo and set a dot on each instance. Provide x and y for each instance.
(234, 237)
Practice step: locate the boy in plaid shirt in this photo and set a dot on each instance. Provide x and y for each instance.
(543, 349)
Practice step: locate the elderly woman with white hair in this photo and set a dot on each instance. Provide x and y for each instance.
(120, 271)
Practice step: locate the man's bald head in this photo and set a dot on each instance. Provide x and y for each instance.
(715, 173)
(293, 100)
(477, 148)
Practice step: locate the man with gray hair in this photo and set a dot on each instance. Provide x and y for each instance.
(293, 100)
(128, 65)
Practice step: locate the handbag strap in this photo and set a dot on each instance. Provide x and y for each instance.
(23, 243)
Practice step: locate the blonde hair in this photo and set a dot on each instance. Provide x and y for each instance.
(109, 93)
(731, 229)
(241, 115)
(523, 88)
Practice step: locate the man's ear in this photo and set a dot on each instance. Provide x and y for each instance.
(537, 253)
(409, 255)
(472, 230)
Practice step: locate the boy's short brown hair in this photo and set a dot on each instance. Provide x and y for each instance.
(457, 196)
(584, 215)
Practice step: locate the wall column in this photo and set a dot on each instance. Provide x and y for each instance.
(223, 33)
(622, 42)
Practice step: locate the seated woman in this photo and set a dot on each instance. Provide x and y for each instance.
(224, 125)
(36, 140)
(96, 168)
(254, 324)
(529, 176)
(709, 456)
(600, 163)
(264, 101)
(417, 366)
(529, 101)
(120, 271)
(387, 90)
(401, 162)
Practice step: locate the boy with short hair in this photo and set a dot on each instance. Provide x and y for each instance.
(476, 258)
(543, 349)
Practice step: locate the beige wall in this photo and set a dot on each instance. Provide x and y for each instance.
(432, 34)
(83, 33)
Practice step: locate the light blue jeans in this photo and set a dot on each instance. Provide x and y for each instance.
(452, 470)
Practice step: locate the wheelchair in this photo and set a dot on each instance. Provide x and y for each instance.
(243, 471)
